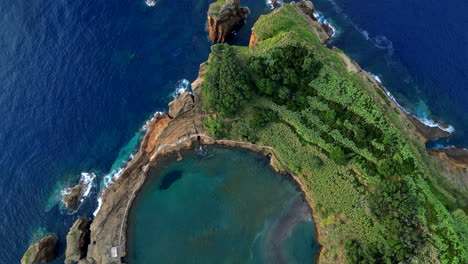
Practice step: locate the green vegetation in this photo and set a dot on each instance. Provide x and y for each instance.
(227, 84)
(374, 189)
(215, 8)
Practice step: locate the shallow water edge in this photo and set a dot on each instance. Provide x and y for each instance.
(204, 147)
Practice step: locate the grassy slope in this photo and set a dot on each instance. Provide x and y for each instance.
(348, 202)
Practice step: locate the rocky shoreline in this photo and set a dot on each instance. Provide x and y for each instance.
(183, 126)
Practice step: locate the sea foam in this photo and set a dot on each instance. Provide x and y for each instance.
(150, 2)
(126, 155)
(270, 5)
(181, 86)
(322, 20)
(87, 180)
(424, 119)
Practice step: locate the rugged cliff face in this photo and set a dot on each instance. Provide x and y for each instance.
(453, 164)
(166, 133)
(224, 16)
(77, 240)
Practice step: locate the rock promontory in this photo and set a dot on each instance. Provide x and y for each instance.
(428, 132)
(41, 252)
(224, 16)
(78, 239)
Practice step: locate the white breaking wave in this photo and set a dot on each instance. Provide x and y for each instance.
(87, 180)
(270, 5)
(150, 2)
(376, 78)
(110, 178)
(98, 207)
(181, 86)
(425, 120)
(323, 21)
(115, 174)
(156, 115)
(431, 123)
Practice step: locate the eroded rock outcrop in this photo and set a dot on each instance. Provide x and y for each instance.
(307, 7)
(224, 16)
(184, 103)
(72, 198)
(75, 195)
(41, 252)
(78, 239)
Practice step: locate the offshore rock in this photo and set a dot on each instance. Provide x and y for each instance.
(41, 252)
(73, 197)
(223, 18)
(78, 239)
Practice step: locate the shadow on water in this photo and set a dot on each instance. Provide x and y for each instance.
(170, 178)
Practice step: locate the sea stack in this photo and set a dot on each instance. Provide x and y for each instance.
(78, 239)
(41, 252)
(223, 17)
(72, 198)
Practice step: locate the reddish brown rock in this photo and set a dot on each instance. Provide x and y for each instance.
(253, 40)
(457, 157)
(224, 18)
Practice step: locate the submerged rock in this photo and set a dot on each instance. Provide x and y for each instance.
(223, 18)
(78, 239)
(41, 252)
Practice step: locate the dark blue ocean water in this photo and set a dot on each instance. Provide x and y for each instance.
(79, 78)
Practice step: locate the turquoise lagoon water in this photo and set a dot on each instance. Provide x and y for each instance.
(226, 207)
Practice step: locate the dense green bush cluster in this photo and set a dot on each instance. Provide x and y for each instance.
(283, 74)
(226, 86)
